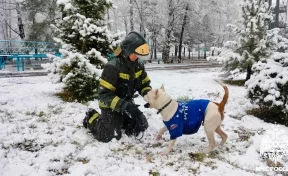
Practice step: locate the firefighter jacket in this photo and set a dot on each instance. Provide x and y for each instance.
(119, 81)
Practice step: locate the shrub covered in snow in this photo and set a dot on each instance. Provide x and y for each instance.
(79, 78)
(268, 88)
(86, 42)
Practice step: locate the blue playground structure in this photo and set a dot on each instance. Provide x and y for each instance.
(21, 50)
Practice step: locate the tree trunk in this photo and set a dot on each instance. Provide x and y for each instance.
(64, 14)
(184, 53)
(176, 51)
(198, 51)
(205, 50)
(126, 25)
(140, 11)
(168, 31)
(249, 73)
(6, 33)
(20, 22)
(108, 18)
(152, 50)
(155, 49)
(182, 32)
(131, 16)
(10, 24)
(142, 25)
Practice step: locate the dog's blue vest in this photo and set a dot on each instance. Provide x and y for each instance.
(187, 119)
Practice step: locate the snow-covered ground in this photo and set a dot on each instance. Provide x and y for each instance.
(40, 135)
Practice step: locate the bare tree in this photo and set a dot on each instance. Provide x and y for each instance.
(168, 32)
(8, 18)
(174, 12)
(20, 21)
(131, 15)
(121, 15)
(27, 19)
(207, 23)
(182, 31)
(140, 8)
(154, 25)
(39, 15)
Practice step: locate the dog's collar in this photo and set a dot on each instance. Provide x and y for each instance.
(161, 109)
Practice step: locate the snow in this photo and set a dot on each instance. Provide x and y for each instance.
(42, 135)
(68, 59)
(59, 2)
(93, 51)
(66, 3)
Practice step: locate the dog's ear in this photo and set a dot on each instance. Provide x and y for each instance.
(156, 93)
(162, 87)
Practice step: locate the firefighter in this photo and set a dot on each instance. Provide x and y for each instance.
(120, 79)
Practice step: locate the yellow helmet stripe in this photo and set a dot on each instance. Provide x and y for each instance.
(107, 85)
(142, 50)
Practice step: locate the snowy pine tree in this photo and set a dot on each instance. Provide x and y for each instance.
(268, 86)
(252, 45)
(86, 43)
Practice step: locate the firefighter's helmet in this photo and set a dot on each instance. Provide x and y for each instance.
(133, 43)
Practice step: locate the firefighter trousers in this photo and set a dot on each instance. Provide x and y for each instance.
(109, 125)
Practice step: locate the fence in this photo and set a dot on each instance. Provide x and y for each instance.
(21, 50)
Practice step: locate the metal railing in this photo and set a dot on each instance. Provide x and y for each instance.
(20, 50)
(28, 47)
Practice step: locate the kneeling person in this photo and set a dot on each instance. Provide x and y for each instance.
(120, 79)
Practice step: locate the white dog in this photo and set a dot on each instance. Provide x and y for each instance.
(186, 117)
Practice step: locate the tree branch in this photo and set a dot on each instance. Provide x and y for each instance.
(6, 22)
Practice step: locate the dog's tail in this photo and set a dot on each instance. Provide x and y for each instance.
(222, 104)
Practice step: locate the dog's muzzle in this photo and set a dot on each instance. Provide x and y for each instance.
(147, 105)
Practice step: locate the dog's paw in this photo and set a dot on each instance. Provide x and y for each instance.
(220, 146)
(165, 152)
(207, 150)
(158, 137)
